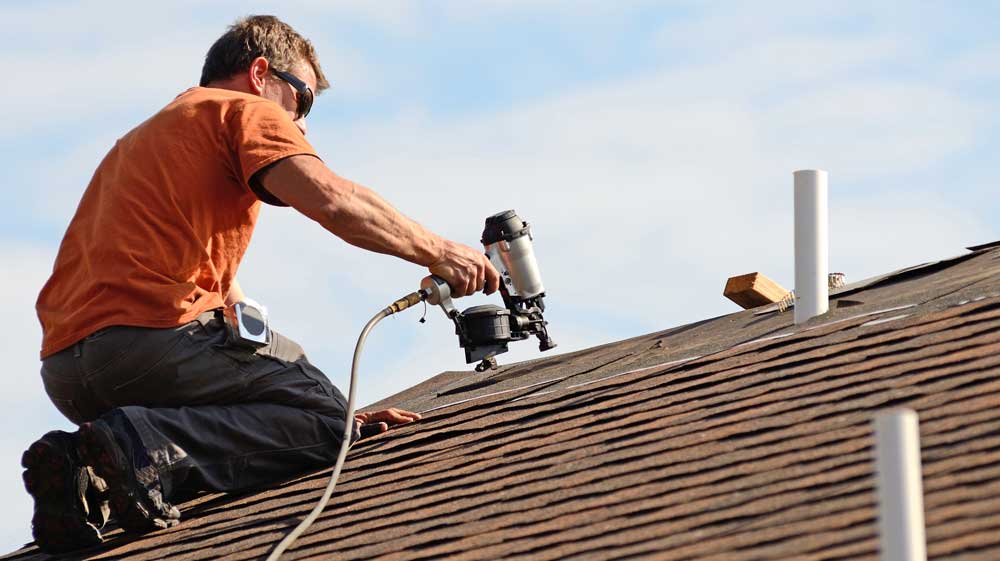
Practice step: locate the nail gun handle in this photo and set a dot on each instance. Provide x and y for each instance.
(436, 288)
(438, 293)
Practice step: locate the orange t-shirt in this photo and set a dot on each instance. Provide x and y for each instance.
(166, 219)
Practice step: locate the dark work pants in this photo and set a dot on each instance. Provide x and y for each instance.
(212, 416)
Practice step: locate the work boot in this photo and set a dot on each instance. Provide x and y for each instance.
(69, 511)
(99, 508)
(112, 447)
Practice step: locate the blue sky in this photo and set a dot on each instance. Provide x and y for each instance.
(650, 143)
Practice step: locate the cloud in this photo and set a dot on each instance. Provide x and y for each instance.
(26, 268)
(93, 84)
(72, 74)
(637, 186)
(24, 407)
(644, 199)
(870, 130)
(646, 187)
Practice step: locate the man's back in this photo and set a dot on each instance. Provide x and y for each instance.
(136, 351)
(167, 217)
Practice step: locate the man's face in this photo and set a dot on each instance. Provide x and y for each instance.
(284, 94)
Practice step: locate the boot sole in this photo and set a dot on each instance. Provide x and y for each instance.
(59, 523)
(135, 514)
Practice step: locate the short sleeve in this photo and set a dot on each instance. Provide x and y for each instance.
(261, 133)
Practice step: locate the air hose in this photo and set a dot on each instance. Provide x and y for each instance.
(397, 306)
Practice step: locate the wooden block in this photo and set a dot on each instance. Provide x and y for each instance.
(752, 290)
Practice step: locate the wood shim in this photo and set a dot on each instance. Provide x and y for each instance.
(753, 290)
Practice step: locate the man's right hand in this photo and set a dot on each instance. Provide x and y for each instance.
(465, 270)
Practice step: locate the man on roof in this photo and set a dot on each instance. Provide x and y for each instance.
(135, 348)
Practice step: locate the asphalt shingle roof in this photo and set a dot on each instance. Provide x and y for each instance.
(741, 437)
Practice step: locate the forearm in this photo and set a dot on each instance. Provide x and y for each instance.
(353, 212)
(361, 217)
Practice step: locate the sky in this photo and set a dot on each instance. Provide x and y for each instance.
(650, 144)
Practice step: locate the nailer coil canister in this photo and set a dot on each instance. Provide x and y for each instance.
(484, 331)
(507, 240)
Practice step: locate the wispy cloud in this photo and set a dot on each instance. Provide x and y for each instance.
(657, 165)
(26, 411)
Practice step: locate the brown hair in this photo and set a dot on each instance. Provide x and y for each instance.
(260, 36)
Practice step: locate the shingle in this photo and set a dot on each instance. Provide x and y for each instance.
(740, 437)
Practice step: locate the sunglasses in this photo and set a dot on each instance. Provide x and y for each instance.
(305, 97)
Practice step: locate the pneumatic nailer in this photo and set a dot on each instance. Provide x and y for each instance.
(484, 331)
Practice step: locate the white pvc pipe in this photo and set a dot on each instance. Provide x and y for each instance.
(900, 491)
(812, 245)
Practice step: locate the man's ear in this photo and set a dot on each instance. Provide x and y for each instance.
(257, 74)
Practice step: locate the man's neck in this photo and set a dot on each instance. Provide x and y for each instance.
(236, 83)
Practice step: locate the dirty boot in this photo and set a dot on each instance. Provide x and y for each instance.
(111, 445)
(68, 511)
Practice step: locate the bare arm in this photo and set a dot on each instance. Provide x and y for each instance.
(361, 217)
(351, 211)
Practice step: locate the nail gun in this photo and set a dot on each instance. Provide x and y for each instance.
(484, 331)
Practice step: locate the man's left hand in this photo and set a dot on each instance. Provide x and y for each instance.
(386, 418)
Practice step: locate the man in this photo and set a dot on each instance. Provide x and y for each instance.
(135, 347)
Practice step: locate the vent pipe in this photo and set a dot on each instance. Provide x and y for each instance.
(812, 245)
(900, 489)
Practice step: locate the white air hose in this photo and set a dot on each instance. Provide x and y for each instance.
(397, 306)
